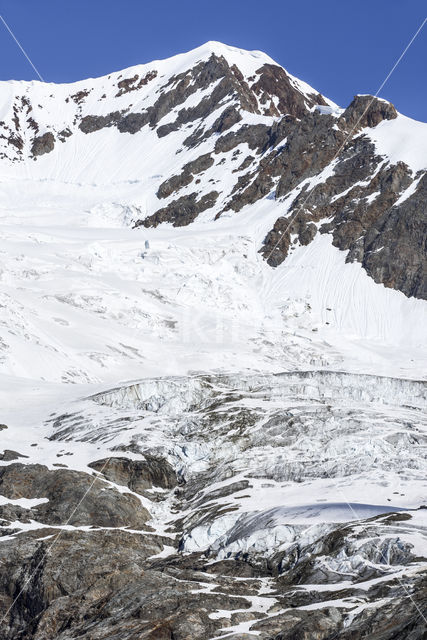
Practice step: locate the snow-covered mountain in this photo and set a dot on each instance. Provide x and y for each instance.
(212, 357)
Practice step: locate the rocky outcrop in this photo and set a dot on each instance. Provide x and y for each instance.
(258, 137)
(357, 162)
(357, 199)
(90, 124)
(368, 111)
(43, 144)
(389, 243)
(134, 83)
(228, 118)
(186, 176)
(8, 455)
(394, 251)
(64, 134)
(279, 95)
(73, 498)
(138, 475)
(176, 91)
(180, 212)
(174, 183)
(107, 588)
(52, 601)
(79, 96)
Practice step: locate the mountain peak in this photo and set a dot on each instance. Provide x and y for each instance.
(162, 94)
(231, 53)
(219, 129)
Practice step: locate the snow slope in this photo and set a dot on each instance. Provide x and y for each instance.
(81, 304)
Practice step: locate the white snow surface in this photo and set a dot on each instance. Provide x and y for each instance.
(80, 304)
(402, 139)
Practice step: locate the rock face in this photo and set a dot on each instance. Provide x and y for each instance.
(43, 144)
(175, 183)
(386, 239)
(100, 504)
(181, 211)
(362, 203)
(368, 111)
(136, 474)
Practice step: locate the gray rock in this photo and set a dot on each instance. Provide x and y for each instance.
(43, 144)
(138, 475)
(74, 497)
(8, 455)
(180, 212)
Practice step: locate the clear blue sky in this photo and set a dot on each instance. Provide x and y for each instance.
(338, 46)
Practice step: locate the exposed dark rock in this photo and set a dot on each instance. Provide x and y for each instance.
(106, 588)
(132, 122)
(174, 93)
(64, 134)
(13, 513)
(231, 86)
(302, 625)
(33, 124)
(43, 144)
(138, 475)
(59, 585)
(228, 86)
(228, 118)
(98, 504)
(256, 136)
(180, 212)
(16, 141)
(254, 190)
(200, 164)
(395, 247)
(274, 82)
(79, 97)
(89, 124)
(368, 111)
(399, 619)
(310, 146)
(358, 162)
(129, 123)
(8, 455)
(175, 183)
(245, 164)
(126, 85)
(389, 241)
(133, 84)
(186, 176)
(277, 162)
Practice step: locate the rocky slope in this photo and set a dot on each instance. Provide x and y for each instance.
(217, 232)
